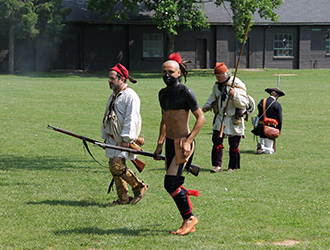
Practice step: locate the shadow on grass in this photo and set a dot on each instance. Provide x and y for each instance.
(67, 203)
(14, 162)
(119, 231)
(250, 152)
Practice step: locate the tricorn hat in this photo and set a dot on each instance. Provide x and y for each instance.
(277, 90)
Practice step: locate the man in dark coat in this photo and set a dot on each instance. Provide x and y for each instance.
(273, 110)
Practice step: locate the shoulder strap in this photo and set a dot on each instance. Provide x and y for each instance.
(236, 86)
(112, 103)
(264, 107)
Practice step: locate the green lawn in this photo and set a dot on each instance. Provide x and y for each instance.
(54, 196)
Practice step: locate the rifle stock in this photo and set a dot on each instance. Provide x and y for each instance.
(137, 163)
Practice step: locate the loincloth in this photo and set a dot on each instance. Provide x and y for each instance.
(173, 151)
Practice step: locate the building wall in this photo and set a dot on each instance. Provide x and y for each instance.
(223, 45)
(318, 57)
(93, 47)
(305, 47)
(197, 46)
(135, 41)
(279, 62)
(97, 47)
(257, 47)
(186, 42)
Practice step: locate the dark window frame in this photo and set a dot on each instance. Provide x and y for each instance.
(283, 45)
(153, 45)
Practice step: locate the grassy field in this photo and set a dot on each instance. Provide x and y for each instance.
(54, 196)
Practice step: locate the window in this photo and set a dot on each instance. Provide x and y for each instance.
(317, 28)
(102, 27)
(118, 28)
(327, 43)
(283, 44)
(239, 47)
(153, 45)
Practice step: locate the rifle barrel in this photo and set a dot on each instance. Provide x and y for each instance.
(130, 150)
(73, 134)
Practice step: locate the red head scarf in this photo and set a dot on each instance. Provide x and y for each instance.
(119, 68)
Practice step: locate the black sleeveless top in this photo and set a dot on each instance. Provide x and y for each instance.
(177, 96)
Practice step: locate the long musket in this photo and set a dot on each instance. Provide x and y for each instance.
(233, 83)
(194, 169)
(137, 163)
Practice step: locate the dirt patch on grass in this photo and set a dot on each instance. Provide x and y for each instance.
(285, 74)
(283, 243)
(286, 243)
(251, 70)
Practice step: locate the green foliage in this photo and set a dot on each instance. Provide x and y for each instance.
(27, 20)
(9, 7)
(34, 17)
(51, 15)
(168, 14)
(54, 196)
(243, 10)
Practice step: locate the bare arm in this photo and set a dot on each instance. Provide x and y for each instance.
(200, 119)
(161, 139)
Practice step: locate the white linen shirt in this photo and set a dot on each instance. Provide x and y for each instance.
(239, 100)
(127, 108)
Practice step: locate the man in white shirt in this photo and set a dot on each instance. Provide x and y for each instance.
(234, 123)
(121, 126)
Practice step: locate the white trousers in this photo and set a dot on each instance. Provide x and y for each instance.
(267, 146)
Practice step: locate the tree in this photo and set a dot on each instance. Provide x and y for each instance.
(243, 10)
(30, 19)
(168, 14)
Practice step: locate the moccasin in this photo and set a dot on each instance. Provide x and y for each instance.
(216, 169)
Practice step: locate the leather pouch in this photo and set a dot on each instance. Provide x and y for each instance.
(270, 132)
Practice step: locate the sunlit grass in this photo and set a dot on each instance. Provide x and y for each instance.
(54, 196)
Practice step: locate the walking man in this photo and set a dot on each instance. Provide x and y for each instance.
(234, 124)
(121, 126)
(176, 101)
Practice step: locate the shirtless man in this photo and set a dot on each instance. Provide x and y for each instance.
(176, 101)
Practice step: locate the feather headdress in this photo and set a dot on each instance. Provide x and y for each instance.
(176, 57)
